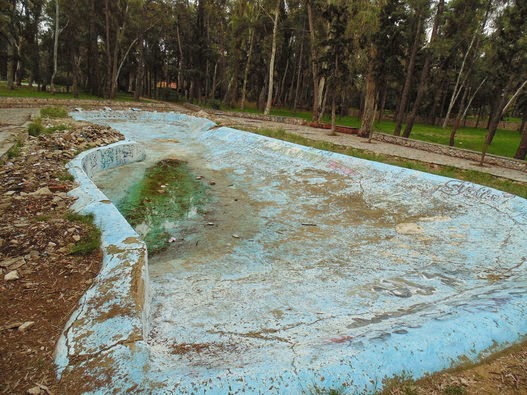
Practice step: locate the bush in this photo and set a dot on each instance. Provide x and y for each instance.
(35, 128)
(54, 112)
(14, 151)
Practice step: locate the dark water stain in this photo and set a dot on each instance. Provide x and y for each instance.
(167, 193)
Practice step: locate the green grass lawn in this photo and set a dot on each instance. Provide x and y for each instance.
(26, 91)
(505, 142)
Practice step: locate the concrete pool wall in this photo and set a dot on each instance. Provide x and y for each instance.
(432, 313)
(112, 316)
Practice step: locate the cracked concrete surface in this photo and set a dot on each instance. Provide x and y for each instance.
(344, 271)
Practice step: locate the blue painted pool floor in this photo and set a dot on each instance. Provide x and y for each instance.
(309, 269)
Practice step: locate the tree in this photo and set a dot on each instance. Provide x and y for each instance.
(508, 58)
(420, 11)
(423, 80)
(275, 18)
(337, 46)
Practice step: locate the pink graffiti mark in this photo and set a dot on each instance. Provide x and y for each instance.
(340, 339)
(340, 168)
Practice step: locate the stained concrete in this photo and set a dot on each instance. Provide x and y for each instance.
(310, 269)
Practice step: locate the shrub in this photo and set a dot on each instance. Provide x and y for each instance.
(35, 128)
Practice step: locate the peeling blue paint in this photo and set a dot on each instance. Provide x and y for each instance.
(343, 272)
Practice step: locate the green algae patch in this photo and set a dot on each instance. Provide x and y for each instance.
(168, 193)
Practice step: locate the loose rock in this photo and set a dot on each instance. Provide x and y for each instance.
(25, 326)
(11, 276)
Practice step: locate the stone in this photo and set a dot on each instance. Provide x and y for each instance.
(43, 192)
(11, 262)
(25, 326)
(76, 237)
(17, 265)
(34, 391)
(11, 276)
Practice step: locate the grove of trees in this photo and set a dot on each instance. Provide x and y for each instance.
(436, 61)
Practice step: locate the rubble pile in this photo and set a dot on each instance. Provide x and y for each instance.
(40, 279)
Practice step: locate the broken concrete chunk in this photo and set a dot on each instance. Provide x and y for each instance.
(11, 276)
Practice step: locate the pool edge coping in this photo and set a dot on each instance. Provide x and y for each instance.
(112, 313)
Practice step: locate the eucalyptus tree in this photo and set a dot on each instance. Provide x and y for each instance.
(337, 48)
(425, 71)
(11, 29)
(508, 56)
(465, 26)
(364, 30)
(419, 13)
(275, 18)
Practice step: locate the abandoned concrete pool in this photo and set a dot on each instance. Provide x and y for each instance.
(276, 268)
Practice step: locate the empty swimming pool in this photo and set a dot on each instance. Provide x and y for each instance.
(304, 269)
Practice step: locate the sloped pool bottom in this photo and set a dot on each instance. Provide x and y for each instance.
(343, 272)
(168, 193)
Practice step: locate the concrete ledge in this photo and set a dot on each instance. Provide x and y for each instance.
(112, 313)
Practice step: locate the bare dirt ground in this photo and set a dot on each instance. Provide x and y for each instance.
(41, 281)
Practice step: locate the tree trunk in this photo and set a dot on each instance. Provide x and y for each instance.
(464, 114)
(180, 60)
(457, 122)
(282, 84)
(138, 92)
(298, 76)
(76, 65)
(333, 114)
(384, 93)
(480, 110)
(246, 71)
(108, 50)
(368, 114)
(269, 103)
(321, 98)
(314, 65)
(521, 152)
(10, 64)
(409, 76)
(214, 83)
(501, 108)
(55, 46)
